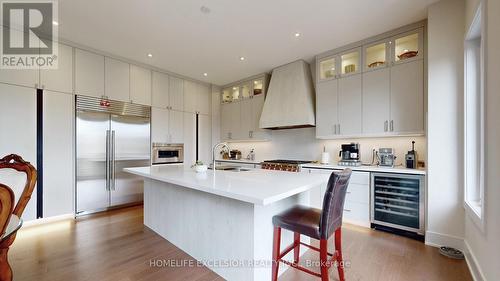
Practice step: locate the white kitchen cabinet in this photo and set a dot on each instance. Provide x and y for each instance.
(58, 164)
(140, 85)
(349, 105)
(18, 129)
(21, 77)
(60, 79)
(376, 101)
(203, 101)
(326, 109)
(89, 74)
(196, 98)
(166, 125)
(190, 96)
(204, 138)
(160, 95)
(251, 109)
(407, 98)
(176, 93)
(117, 80)
(160, 125)
(189, 138)
(357, 201)
(176, 126)
(231, 121)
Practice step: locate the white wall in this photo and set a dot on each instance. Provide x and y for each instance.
(302, 144)
(445, 216)
(484, 247)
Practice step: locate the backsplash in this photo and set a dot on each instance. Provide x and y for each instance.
(301, 144)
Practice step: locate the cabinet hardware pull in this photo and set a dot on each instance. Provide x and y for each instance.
(334, 129)
(392, 125)
(347, 210)
(348, 192)
(339, 128)
(386, 126)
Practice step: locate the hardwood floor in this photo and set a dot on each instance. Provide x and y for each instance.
(116, 246)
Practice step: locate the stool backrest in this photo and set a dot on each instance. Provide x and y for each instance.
(333, 203)
(6, 206)
(17, 163)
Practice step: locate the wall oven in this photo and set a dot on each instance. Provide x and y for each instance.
(398, 202)
(167, 153)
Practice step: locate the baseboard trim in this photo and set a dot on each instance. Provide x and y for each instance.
(47, 220)
(474, 268)
(435, 239)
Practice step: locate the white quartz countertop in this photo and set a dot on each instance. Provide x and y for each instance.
(398, 170)
(256, 186)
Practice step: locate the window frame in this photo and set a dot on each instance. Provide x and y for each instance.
(475, 209)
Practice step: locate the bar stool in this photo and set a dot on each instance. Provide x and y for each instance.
(317, 224)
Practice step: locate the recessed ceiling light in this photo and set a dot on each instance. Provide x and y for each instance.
(150, 55)
(297, 34)
(55, 23)
(205, 74)
(242, 58)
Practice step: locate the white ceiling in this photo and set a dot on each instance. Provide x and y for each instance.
(186, 41)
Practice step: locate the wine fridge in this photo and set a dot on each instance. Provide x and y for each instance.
(398, 202)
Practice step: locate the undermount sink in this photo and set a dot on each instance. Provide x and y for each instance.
(230, 168)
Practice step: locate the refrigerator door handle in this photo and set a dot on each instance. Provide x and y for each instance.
(113, 160)
(107, 160)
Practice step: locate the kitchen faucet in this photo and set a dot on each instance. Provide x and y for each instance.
(223, 145)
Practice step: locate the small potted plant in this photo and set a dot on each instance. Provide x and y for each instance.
(199, 167)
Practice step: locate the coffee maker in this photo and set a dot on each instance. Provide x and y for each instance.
(411, 158)
(350, 155)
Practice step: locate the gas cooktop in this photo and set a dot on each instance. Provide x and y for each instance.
(284, 161)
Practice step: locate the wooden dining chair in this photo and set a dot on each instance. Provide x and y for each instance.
(10, 217)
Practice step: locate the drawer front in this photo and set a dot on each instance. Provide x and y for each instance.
(359, 193)
(357, 213)
(360, 178)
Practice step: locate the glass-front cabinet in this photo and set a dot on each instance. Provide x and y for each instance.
(258, 87)
(226, 95)
(376, 55)
(235, 93)
(328, 68)
(246, 90)
(350, 62)
(407, 46)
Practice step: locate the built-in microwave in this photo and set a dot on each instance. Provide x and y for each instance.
(167, 153)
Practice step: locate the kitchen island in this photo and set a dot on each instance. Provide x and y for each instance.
(223, 219)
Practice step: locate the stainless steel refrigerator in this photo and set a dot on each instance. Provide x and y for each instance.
(110, 136)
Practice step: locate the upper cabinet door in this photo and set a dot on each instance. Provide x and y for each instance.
(190, 96)
(227, 95)
(246, 90)
(117, 76)
(89, 73)
(235, 93)
(60, 79)
(203, 100)
(176, 93)
(349, 109)
(140, 85)
(407, 98)
(376, 55)
(176, 126)
(246, 119)
(160, 125)
(328, 68)
(350, 62)
(160, 95)
(326, 109)
(408, 46)
(21, 77)
(376, 101)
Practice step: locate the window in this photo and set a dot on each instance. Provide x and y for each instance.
(474, 119)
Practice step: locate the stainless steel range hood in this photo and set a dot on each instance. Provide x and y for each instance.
(290, 98)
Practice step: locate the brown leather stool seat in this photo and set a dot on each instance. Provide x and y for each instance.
(301, 219)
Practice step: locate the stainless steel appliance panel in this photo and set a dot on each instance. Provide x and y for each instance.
(92, 158)
(130, 147)
(165, 153)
